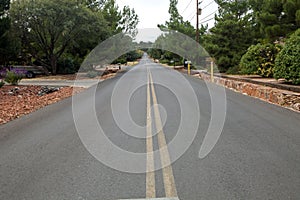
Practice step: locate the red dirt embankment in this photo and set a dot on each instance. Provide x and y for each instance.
(16, 101)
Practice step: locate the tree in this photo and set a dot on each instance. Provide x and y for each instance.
(129, 21)
(276, 18)
(94, 5)
(176, 22)
(4, 22)
(88, 38)
(287, 63)
(112, 16)
(124, 21)
(106, 52)
(7, 45)
(46, 30)
(232, 34)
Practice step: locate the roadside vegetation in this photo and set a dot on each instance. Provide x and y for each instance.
(13, 77)
(129, 57)
(287, 63)
(260, 59)
(59, 34)
(249, 37)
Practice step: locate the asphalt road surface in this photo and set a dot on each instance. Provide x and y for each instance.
(49, 154)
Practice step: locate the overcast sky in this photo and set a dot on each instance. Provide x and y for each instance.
(153, 12)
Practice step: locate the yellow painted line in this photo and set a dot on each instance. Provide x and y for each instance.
(168, 176)
(150, 175)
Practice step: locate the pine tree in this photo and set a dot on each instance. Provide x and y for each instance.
(232, 34)
(276, 18)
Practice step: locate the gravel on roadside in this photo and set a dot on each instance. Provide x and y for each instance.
(16, 101)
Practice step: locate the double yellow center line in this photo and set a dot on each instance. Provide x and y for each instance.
(168, 176)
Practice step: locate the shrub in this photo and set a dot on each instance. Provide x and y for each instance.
(164, 61)
(14, 76)
(67, 66)
(121, 60)
(233, 70)
(260, 59)
(287, 64)
(92, 74)
(3, 72)
(1, 83)
(134, 55)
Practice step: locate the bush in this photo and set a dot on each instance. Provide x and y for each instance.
(1, 83)
(234, 70)
(13, 77)
(164, 61)
(67, 66)
(260, 59)
(92, 74)
(287, 64)
(134, 55)
(3, 72)
(121, 60)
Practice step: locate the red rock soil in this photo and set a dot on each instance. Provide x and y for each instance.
(27, 100)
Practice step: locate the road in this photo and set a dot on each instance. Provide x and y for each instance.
(49, 155)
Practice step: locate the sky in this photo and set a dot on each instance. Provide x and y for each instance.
(153, 12)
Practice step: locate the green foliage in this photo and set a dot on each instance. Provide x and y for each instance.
(276, 18)
(4, 20)
(240, 24)
(129, 21)
(13, 77)
(122, 60)
(176, 46)
(59, 34)
(260, 59)
(8, 48)
(155, 53)
(298, 17)
(67, 27)
(164, 61)
(47, 29)
(94, 5)
(2, 83)
(134, 55)
(129, 57)
(102, 56)
(287, 63)
(234, 70)
(67, 65)
(176, 22)
(92, 74)
(120, 21)
(232, 34)
(112, 16)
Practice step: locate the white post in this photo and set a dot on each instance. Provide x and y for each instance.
(212, 71)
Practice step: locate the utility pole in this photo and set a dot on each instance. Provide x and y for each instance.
(197, 22)
(199, 10)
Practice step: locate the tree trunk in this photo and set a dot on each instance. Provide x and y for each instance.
(53, 63)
